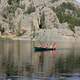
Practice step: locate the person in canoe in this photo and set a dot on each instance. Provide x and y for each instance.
(43, 49)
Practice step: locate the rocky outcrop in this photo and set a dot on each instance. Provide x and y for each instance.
(34, 16)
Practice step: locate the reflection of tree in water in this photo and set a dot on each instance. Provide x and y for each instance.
(11, 69)
(3, 56)
(66, 64)
(18, 52)
(8, 66)
(41, 61)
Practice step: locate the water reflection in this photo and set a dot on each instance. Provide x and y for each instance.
(18, 59)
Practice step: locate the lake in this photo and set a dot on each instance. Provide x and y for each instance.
(18, 56)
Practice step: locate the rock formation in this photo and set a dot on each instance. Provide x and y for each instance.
(35, 16)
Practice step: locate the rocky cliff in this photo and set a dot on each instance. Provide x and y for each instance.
(32, 18)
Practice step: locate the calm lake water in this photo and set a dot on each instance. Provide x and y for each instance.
(19, 53)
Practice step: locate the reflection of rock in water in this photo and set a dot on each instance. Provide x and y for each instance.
(18, 53)
(65, 47)
(14, 53)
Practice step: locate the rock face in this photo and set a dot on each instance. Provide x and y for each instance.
(33, 16)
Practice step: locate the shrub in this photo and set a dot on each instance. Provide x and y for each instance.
(72, 18)
(30, 9)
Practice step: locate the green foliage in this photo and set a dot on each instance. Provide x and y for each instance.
(13, 5)
(72, 16)
(68, 6)
(53, 1)
(9, 13)
(11, 2)
(30, 9)
(72, 27)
